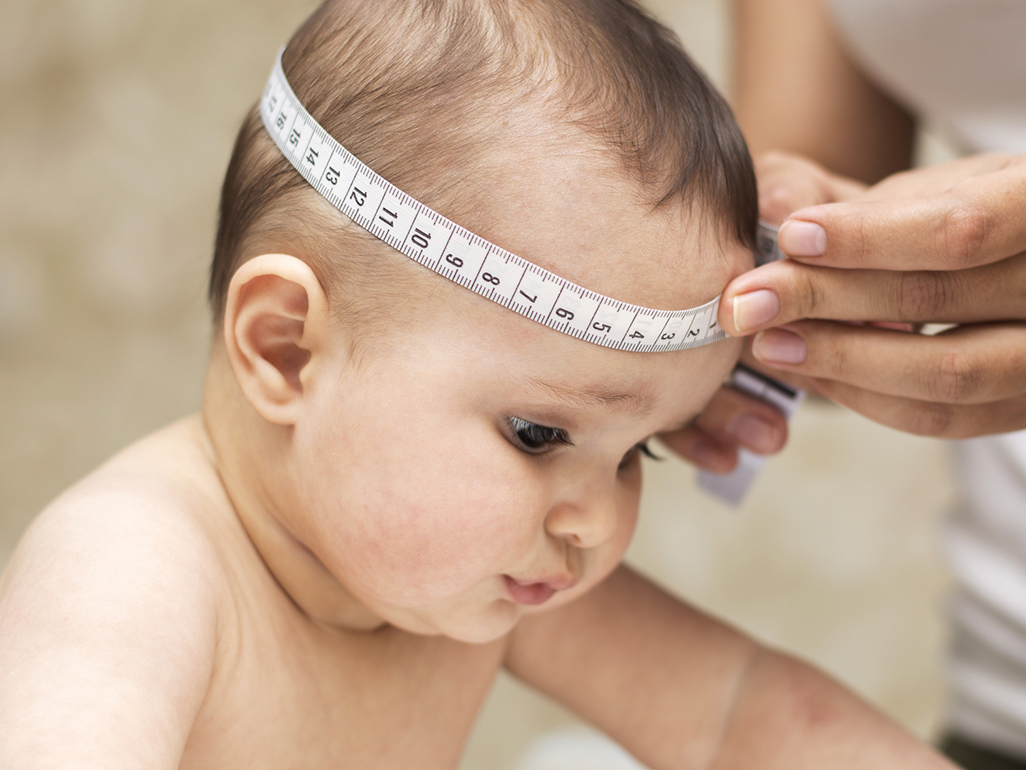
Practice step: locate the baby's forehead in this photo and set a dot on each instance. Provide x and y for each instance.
(585, 219)
(506, 363)
(565, 199)
(495, 352)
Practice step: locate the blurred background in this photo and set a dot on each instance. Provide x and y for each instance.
(117, 122)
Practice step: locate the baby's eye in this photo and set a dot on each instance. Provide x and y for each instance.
(637, 449)
(534, 438)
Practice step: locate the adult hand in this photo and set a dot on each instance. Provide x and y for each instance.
(735, 420)
(945, 244)
(788, 182)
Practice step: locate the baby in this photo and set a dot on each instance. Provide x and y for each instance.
(398, 487)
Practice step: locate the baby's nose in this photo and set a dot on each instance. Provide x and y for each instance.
(585, 519)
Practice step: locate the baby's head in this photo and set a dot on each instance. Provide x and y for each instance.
(400, 449)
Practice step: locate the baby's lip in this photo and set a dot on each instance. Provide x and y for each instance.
(537, 591)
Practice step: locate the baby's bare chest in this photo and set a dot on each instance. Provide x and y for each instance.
(305, 698)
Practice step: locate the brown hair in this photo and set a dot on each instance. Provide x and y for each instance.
(414, 87)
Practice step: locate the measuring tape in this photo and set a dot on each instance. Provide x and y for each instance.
(438, 244)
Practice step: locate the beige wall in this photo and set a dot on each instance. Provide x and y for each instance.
(117, 121)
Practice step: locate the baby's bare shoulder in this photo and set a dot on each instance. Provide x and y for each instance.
(109, 615)
(138, 518)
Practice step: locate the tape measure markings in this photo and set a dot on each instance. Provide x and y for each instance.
(498, 275)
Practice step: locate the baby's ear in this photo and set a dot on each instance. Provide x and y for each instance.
(276, 318)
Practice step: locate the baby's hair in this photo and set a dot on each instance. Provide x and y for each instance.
(423, 91)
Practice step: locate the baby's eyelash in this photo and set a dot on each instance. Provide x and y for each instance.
(534, 438)
(644, 449)
(641, 448)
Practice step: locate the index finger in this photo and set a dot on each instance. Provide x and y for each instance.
(975, 222)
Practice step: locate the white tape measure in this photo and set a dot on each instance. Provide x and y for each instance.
(427, 237)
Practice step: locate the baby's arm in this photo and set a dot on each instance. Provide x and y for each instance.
(681, 690)
(107, 637)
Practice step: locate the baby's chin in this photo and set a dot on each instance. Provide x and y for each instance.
(489, 623)
(471, 626)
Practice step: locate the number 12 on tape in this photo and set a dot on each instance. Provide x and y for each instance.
(731, 487)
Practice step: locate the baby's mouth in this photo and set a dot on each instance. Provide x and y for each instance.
(536, 592)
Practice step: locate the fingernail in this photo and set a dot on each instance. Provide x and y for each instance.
(802, 239)
(753, 432)
(755, 308)
(776, 346)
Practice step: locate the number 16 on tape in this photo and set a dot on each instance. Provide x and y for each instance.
(731, 487)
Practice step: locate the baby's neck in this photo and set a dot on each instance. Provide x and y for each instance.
(248, 456)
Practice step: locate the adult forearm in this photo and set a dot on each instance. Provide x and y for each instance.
(796, 89)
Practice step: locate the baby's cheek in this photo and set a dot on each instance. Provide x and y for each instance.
(626, 523)
(432, 533)
(628, 500)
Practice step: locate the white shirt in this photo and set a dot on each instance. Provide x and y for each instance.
(961, 66)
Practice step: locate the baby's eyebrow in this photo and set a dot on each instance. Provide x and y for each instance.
(591, 397)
